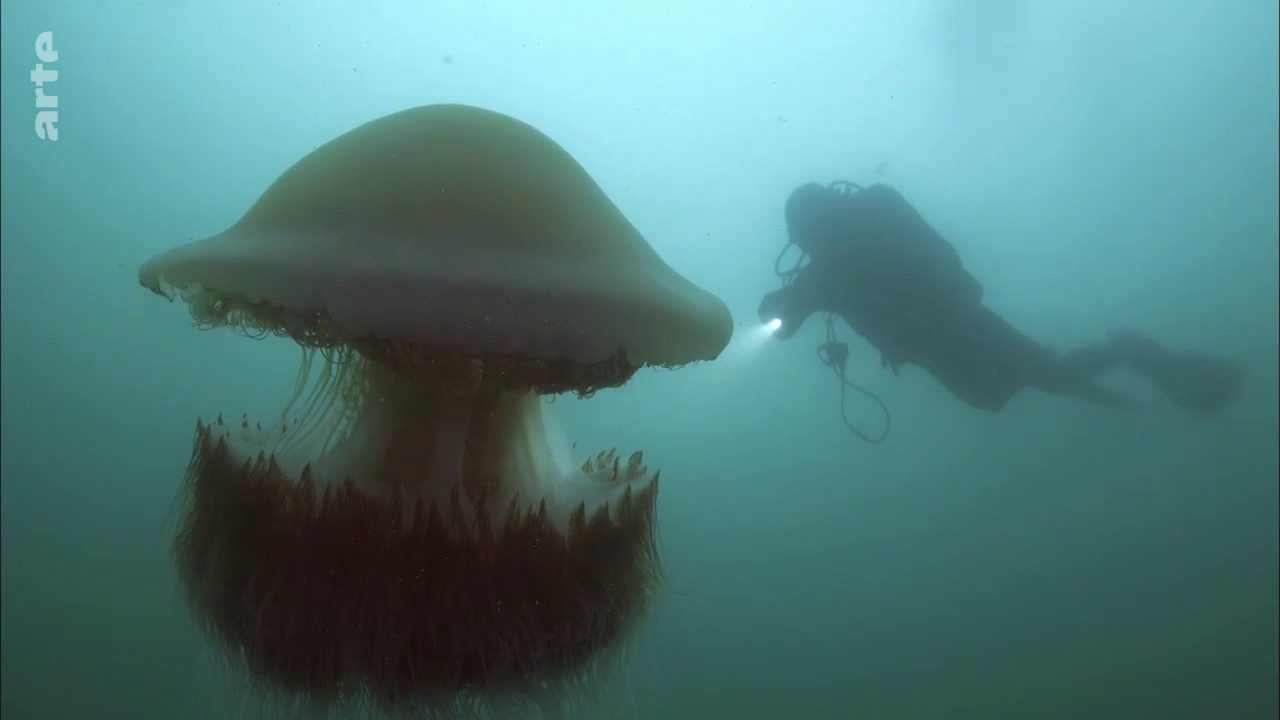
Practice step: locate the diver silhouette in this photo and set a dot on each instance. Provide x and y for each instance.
(877, 264)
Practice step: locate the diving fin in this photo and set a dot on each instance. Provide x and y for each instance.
(1200, 385)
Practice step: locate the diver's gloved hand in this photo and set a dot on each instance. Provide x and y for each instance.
(774, 307)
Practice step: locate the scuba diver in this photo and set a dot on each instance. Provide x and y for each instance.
(876, 263)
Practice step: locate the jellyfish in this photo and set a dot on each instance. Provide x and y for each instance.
(412, 530)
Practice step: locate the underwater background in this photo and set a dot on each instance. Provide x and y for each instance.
(1098, 165)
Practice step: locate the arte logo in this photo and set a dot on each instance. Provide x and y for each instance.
(46, 103)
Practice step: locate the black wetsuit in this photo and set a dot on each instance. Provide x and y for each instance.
(902, 287)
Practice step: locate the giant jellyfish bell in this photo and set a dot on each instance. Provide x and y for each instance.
(408, 533)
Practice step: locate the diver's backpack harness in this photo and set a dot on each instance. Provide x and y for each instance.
(834, 353)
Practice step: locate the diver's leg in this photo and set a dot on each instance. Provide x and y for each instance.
(1083, 364)
(1056, 377)
(1073, 373)
(1095, 393)
(1198, 384)
(978, 357)
(971, 383)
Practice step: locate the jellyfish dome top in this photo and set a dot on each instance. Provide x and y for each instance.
(409, 532)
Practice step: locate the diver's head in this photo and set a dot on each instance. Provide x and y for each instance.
(813, 218)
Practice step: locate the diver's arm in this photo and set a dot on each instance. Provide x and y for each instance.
(810, 293)
(793, 304)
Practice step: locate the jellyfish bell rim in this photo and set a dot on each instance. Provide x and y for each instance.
(575, 310)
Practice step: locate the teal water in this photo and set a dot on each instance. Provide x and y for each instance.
(1096, 164)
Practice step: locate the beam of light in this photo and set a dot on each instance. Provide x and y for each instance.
(748, 343)
(765, 331)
